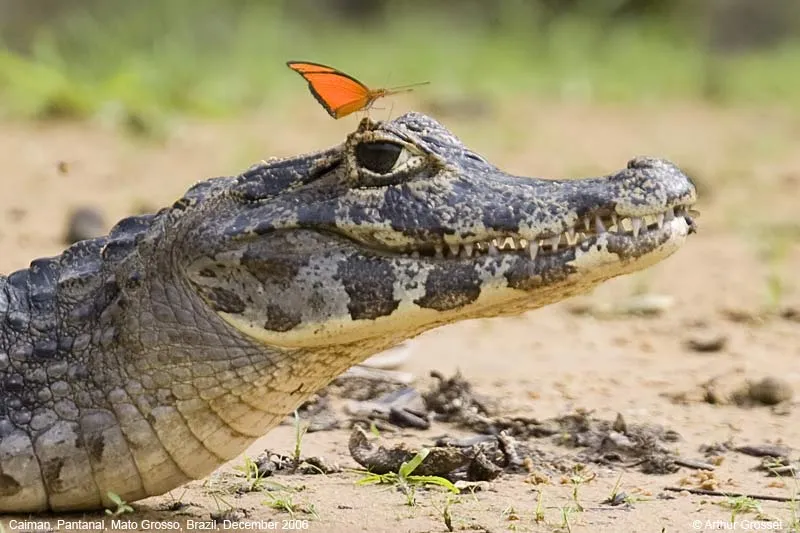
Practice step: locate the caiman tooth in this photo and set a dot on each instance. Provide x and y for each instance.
(523, 244)
(453, 249)
(572, 238)
(660, 220)
(533, 249)
(636, 225)
(466, 250)
(508, 244)
(493, 247)
(598, 225)
(587, 224)
(439, 250)
(553, 242)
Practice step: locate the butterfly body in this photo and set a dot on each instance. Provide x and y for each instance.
(338, 93)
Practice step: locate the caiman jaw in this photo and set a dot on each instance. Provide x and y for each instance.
(584, 235)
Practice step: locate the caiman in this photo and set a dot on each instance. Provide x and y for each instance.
(138, 361)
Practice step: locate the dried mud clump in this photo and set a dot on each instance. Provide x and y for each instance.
(474, 459)
(603, 441)
(499, 445)
(616, 442)
(452, 399)
(269, 463)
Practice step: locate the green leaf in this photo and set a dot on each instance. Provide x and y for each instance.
(371, 478)
(409, 466)
(435, 480)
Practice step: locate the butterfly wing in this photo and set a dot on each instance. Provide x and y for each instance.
(302, 67)
(337, 92)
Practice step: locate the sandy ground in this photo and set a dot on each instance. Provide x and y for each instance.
(546, 363)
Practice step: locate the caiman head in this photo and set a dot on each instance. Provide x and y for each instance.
(403, 228)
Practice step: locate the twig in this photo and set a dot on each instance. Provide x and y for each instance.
(704, 492)
(697, 465)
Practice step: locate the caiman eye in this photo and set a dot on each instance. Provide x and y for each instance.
(381, 157)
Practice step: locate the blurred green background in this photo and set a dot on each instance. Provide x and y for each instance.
(148, 58)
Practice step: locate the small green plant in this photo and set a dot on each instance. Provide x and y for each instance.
(410, 493)
(311, 509)
(122, 506)
(177, 503)
(794, 504)
(538, 515)
(578, 506)
(447, 516)
(299, 432)
(285, 502)
(219, 499)
(566, 511)
(254, 479)
(576, 480)
(510, 514)
(741, 505)
(615, 497)
(775, 290)
(794, 513)
(282, 503)
(615, 491)
(406, 480)
(373, 428)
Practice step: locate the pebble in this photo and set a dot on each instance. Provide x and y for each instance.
(742, 315)
(771, 391)
(791, 313)
(649, 304)
(706, 341)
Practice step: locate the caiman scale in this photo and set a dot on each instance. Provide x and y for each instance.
(138, 361)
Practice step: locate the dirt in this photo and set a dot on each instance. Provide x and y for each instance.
(718, 318)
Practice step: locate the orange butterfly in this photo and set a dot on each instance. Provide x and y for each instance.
(339, 93)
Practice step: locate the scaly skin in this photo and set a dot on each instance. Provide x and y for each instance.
(136, 362)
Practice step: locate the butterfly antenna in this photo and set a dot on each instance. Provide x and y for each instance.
(409, 87)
